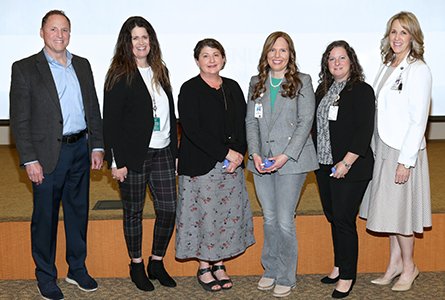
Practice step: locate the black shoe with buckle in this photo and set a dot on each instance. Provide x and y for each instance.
(225, 284)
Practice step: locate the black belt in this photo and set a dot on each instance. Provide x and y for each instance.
(72, 138)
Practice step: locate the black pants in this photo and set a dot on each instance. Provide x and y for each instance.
(159, 173)
(341, 201)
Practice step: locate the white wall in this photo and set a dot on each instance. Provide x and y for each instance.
(241, 26)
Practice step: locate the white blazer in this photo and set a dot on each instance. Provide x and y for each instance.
(403, 108)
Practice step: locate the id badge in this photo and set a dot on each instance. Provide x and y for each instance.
(333, 111)
(258, 110)
(157, 124)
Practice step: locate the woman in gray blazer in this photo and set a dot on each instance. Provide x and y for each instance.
(279, 117)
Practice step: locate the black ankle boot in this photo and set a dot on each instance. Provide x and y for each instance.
(156, 270)
(138, 276)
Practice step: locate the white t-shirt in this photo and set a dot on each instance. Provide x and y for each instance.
(159, 139)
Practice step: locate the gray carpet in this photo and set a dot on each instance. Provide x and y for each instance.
(427, 286)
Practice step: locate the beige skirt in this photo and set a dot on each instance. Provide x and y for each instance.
(397, 208)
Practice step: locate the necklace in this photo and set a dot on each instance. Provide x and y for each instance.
(224, 96)
(213, 84)
(274, 85)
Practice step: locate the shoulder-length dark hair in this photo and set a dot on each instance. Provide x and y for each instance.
(123, 63)
(325, 77)
(410, 23)
(292, 85)
(211, 43)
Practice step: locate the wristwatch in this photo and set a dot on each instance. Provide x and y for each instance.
(407, 167)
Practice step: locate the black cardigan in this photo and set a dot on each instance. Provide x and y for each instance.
(353, 129)
(202, 117)
(128, 123)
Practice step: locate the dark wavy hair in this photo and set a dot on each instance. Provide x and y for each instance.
(410, 23)
(292, 85)
(123, 63)
(325, 77)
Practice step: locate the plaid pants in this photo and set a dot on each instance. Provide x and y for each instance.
(159, 173)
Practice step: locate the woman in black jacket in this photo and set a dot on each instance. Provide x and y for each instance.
(343, 128)
(214, 220)
(141, 143)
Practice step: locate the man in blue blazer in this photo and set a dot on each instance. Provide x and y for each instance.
(56, 122)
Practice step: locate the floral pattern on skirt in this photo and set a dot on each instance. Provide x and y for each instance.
(214, 218)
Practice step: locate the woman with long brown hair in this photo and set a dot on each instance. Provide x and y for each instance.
(141, 143)
(345, 103)
(280, 112)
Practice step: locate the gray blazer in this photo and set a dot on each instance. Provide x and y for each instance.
(35, 113)
(286, 130)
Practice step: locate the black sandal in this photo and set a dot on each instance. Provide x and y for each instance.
(222, 282)
(208, 286)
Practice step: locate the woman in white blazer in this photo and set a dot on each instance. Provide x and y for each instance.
(398, 198)
(280, 112)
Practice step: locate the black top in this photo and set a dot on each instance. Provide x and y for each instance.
(353, 129)
(128, 123)
(212, 123)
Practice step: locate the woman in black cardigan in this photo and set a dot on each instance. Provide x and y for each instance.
(342, 131)
(141, 144)
(214, 220)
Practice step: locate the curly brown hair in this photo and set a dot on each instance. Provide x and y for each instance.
(325, 77)
(123, 63)
(292, 84)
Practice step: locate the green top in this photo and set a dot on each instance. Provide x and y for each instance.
(274, 89)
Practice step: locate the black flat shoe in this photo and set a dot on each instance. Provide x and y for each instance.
(138, 276)
(222, 282)
(338, 295)
(208, 285)
(329, 280)
(156, 270)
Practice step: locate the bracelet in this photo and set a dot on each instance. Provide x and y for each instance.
(348, 166)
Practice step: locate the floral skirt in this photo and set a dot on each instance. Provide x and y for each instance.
(214, 218)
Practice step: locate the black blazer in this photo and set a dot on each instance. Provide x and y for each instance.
(353, 129)
(202, 116)
(128, 123)
(35, 113)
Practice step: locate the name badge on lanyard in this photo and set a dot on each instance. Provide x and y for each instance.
(258, 110)
(333, 110)
(157, 124)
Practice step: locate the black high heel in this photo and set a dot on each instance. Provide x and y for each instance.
(208, 285)
(338, 295)
(329, 280)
